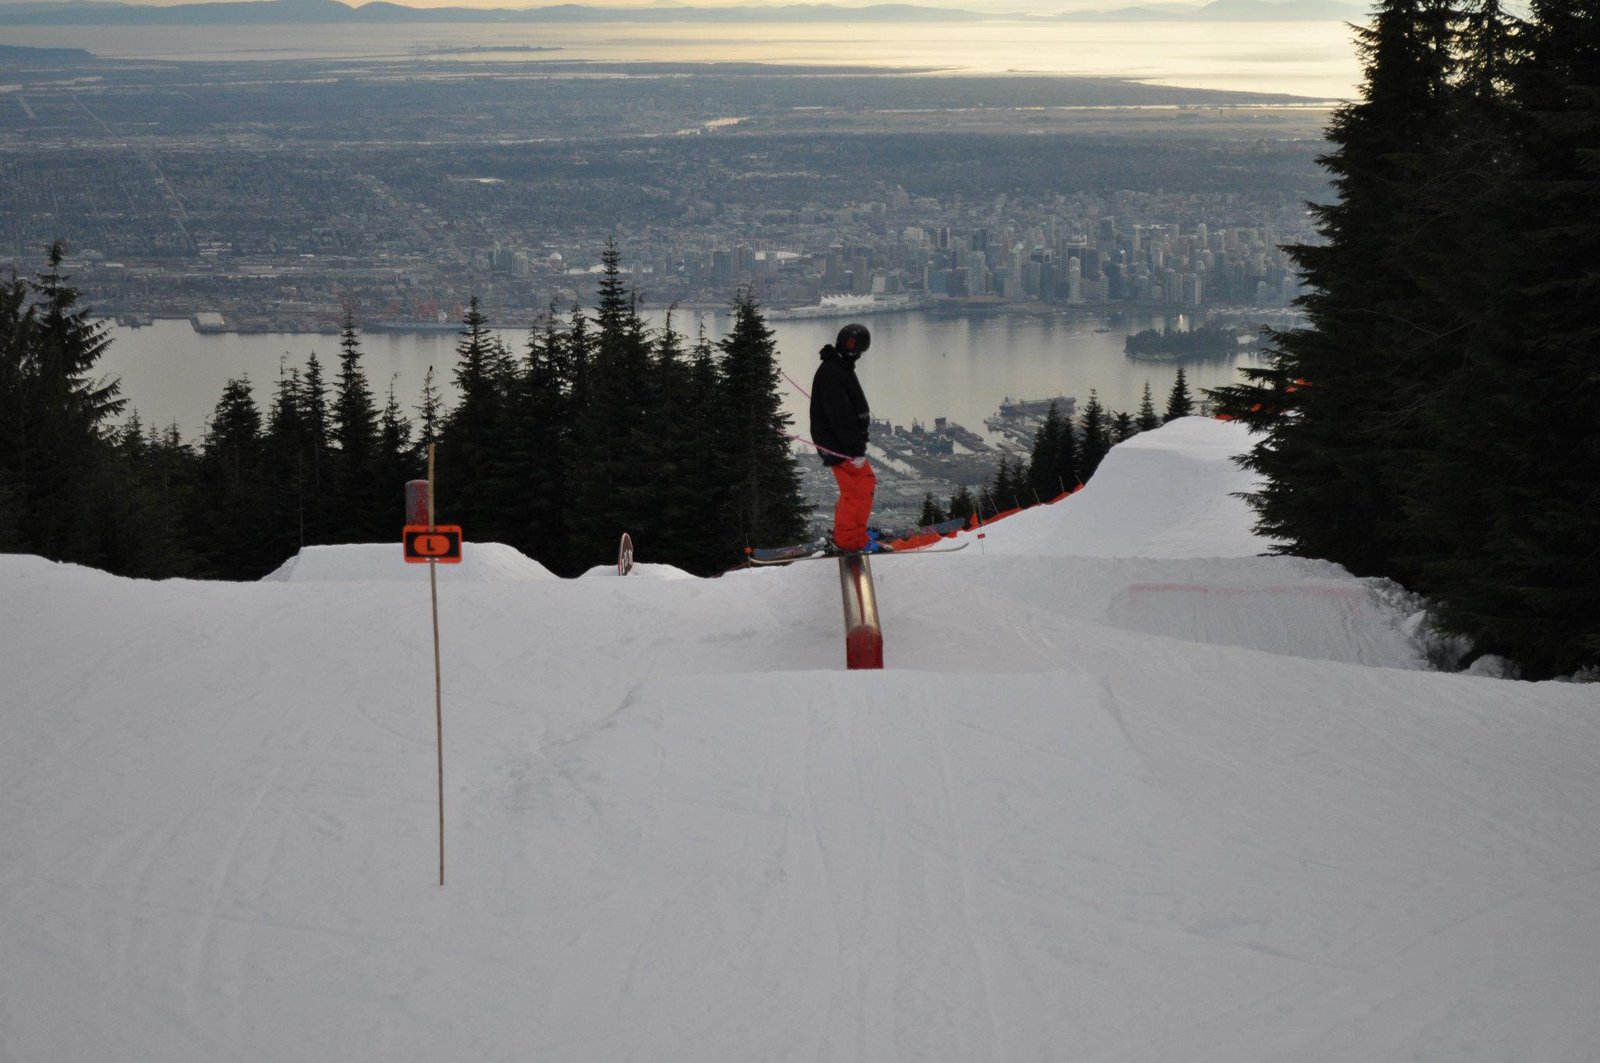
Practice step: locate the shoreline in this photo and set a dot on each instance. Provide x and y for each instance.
(214, 323)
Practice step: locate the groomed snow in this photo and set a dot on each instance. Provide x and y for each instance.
(365, 562)
(1125, 792)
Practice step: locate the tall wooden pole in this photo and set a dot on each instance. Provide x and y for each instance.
(438, 684)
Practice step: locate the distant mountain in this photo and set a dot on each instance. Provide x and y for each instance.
(325, 11)
(249, 12)
(1230, 11)
(1285, 11)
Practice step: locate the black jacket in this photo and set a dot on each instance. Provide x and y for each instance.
(839, 413)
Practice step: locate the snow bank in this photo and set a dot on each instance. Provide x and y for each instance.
(1145, 803)
(639, 571)
(366, 562)
(1158, 542)
(1165, 494)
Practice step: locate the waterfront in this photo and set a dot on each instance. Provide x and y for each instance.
(921, 365)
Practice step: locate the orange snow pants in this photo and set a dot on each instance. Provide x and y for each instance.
(857, 485)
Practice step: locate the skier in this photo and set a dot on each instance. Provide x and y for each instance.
(839, 421)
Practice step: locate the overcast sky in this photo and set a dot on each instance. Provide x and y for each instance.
(1036, 7)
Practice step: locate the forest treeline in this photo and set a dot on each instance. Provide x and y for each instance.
(1210, 339)
(1437, 419)
(596, 426)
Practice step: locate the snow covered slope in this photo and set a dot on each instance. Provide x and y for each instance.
(1115, 798)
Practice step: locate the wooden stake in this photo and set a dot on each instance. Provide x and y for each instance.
(438, 684)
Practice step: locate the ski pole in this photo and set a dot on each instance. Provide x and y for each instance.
(819, 446)
(794, 384)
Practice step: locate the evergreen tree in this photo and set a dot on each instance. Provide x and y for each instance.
(316, 459)
(358, 513)
(675, 459)
(536, 444)
(1096, 428)
(288, 463)
(1067, 459)
(71, 487)
(396, 463)
(1358, 379)
(467, 490)
(1147, 419)
(1511, 559)
(16, 361)
(233, 517)
(66, 445)
(431, 415)
(143, 496)
(1122, 427)
(704, 446)
(1179, 402)
(931, 513)
(578, 360)
(764, 503)
(962, 504)
(613, 487)
(1046, 478)
(1005, 490)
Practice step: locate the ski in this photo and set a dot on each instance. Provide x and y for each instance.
(822, 555)
(909, 537)
(942, 528)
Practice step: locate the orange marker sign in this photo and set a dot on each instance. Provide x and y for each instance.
(440, 543)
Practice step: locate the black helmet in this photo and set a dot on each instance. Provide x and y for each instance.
(853, 339)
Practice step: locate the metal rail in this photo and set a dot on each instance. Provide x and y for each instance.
(863, 637)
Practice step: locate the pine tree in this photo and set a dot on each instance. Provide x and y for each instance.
(317, 455)
(65, 409)
(357, 490)
(705, 444)
(1068, 462)
(613, 489)
(142, 495)
(1122, 427)
(675, 459)
(1005, 490)
(931, 513)
(467, 486)
(1096, 428)
(1046, 478)
(16, 359)
(287, 464)
(431, 415)
(764, 503)
(536, 442)
(1511, 558)
(395, 464)
(232, 517)
(1179, 402)
(1358, 379)
(962, 504)
(1147, 419)
(578, 360)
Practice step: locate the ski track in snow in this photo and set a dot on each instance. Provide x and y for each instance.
(1126, 792)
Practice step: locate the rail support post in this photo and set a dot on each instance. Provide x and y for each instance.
(863, 637)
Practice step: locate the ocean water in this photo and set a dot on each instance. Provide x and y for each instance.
(1313, 59)
(920, 366)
